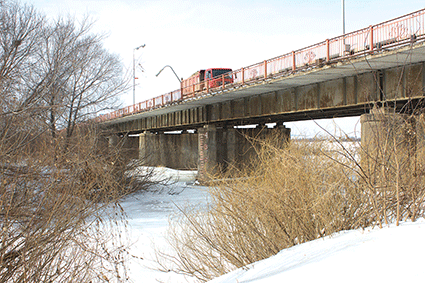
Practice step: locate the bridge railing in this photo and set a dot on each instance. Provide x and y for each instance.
(403, 30)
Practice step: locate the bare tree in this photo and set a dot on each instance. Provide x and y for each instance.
(19, 27)
(75, 76)
(58, 208)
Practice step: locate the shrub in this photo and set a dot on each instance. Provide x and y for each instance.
(286, 196)
(59, 211)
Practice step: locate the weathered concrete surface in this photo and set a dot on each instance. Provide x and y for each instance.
(224, 147)
(177, 151)
(420, 142)
(128, 145)
(210, 150)
(388, 142)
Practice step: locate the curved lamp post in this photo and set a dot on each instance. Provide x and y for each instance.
(134, 72)
(171, 70)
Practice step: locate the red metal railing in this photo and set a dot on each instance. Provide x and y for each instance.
(387, 35)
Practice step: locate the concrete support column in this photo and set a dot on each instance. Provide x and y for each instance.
(113, 140)
(130, 146)
(188, 150)
(283, 131)
(388, 145)
(207, 151)
(231, 144)
(164, 147)
(220, 148)
(177, 151)
(147, 149)
(420, 143)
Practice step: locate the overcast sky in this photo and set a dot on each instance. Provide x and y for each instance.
(191, 35)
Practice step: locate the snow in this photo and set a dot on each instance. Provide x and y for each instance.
(391, 254)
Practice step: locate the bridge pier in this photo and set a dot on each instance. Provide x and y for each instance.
(127, 143)
(221, 147)
(210, 149)
(172, 150)
(420, 143)
(113, 140)
(389, 144)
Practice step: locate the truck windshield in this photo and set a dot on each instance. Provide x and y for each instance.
(219, 72)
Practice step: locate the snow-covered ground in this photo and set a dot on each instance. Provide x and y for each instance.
(391, 254)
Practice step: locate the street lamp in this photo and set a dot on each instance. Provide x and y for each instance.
(343, 16)
(134, 72)
(171, 70)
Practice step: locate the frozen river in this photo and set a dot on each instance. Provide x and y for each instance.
(148, 215)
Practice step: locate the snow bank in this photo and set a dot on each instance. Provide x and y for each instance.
(391, 254)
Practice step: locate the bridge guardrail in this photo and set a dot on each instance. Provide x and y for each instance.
(383, 36)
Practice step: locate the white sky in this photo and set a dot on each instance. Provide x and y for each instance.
(191, 35)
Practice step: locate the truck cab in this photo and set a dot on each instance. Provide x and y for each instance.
(214, 77)
(206, 79)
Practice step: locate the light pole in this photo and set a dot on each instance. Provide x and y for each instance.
(134, 72)
(343, 16)
(171, 70)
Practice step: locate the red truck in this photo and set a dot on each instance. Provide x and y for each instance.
(206, 79)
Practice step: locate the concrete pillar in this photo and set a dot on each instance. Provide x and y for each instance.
(130, 146)
(113, 140)
(220, 148)
(188, 150)
(207, 148)
(388, 145)
(284, 132)
(148, 151)
(177, 151)
(231, 145)
(420, 143)
(163, 148)
(142, 146)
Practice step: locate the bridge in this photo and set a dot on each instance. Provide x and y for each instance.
(344, 76)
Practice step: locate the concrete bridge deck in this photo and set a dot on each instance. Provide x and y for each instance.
(348, 87)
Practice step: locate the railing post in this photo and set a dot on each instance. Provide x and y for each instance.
(243, 75)
(371, 38)
(328, 55)
(294, 66)
(222, 81)
(265, 69)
